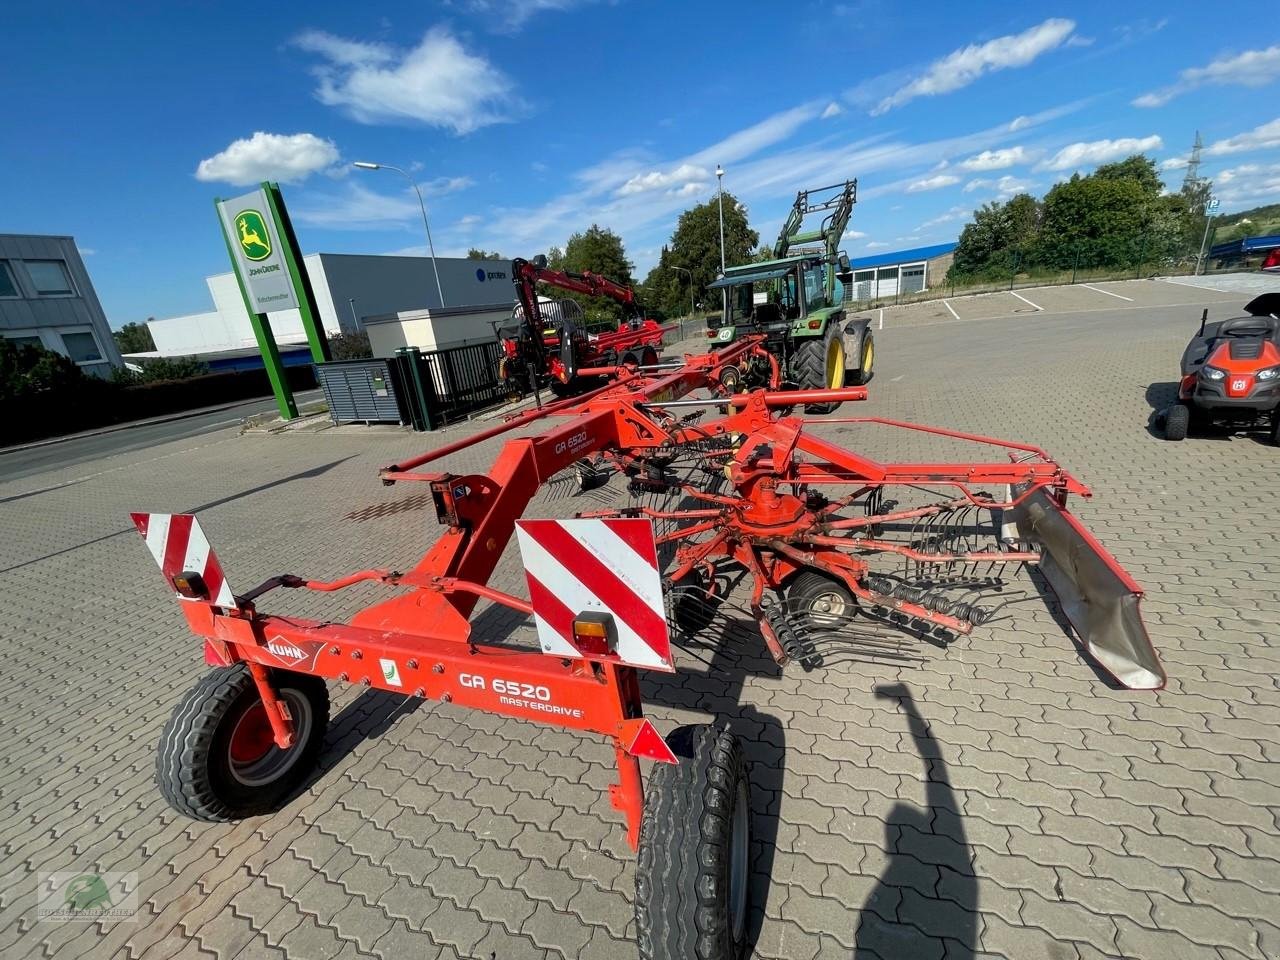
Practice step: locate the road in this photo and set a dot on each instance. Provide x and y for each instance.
(24, 462)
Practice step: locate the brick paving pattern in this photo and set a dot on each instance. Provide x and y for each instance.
(1021, 808)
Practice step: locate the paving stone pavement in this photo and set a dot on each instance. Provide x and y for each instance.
(1025, 809)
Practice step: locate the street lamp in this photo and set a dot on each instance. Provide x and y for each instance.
(354, 318)
(720, 181)
(366, 165)
(692, 308)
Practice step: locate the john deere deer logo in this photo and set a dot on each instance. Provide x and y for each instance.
(255, 241)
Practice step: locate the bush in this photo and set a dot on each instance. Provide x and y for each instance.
(350, 346)
(161, 368)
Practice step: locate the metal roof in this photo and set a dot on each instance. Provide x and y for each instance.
(902, 256)
(768, 273)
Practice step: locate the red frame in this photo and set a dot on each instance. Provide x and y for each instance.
(425, 631)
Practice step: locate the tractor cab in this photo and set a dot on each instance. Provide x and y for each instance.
(769, 298)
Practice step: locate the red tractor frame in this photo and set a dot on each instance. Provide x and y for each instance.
(245, 737)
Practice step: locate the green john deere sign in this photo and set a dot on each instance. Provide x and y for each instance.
(254, 237)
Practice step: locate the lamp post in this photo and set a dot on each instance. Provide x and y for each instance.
(354, 318)
(692, 308)
(366, 165)
(720, 189)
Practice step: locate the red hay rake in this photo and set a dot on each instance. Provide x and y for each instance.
(824, 542)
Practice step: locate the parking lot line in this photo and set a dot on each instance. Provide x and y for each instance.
(1026, 301)
(881, 318)
(1107, 292)
(947, 304)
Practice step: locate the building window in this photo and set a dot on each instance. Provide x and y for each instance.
(81, 347)
(50, 277)
(7, 287)
(27, 341)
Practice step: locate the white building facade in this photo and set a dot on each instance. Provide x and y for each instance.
(348, 288)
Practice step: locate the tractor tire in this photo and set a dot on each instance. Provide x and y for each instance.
(693, 868)
(216, 760)
(861, 374)
(648, 357)
(818, 363)
(1177, 422)
(693, 607)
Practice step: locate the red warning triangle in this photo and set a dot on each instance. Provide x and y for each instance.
(642, 739)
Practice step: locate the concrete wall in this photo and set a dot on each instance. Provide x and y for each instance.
(434, 329)
(935, 270)
(48, 317)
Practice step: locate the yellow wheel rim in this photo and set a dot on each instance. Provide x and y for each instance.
(868, 359)
(835, 363)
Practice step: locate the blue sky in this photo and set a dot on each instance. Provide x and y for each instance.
(526, 122)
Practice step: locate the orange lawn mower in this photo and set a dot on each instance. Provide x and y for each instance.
(825, 543)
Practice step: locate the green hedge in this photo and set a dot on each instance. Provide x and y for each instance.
(43, 394)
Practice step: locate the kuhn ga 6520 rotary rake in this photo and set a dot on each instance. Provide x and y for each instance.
(816, 534)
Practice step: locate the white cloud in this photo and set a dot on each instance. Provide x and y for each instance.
(1020, 123)
(511, 17)
(854, 235)
(1253, 68)
(1099, 151)
(1259, 138)
(955, 213)
(997, 159)
(1004, 187)
(1173, 163)
(357, 207)
(687, 178)
(87, 251)
(437, 82)
(833, 109)
(962, 67)
(269, 156)
(933, 183)
(1248, 182)
(876, 245)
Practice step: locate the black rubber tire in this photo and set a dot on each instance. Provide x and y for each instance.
(648, 357)
(862, 373)
(193, 766)
(804, 590)
(692, 608)
(809, 367)
(683, 871)
(1177, 421)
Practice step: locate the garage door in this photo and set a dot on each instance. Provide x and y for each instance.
(886, 282)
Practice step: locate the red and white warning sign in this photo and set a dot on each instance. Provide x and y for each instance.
(595, 566)
(179, 546)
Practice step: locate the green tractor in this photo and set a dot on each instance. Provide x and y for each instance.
(794, 300)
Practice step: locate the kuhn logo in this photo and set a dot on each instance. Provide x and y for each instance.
(286, 651)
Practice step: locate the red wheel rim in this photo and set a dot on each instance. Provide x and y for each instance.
(252, 738)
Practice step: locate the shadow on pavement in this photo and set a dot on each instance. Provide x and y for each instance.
(230, 498)
(937, 828)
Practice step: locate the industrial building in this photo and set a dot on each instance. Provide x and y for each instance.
(902, 272)
(47, 299)
(349, 289)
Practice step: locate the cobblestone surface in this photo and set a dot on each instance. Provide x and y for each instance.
(1030, 811)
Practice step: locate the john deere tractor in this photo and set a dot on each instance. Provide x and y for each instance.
(793, 298)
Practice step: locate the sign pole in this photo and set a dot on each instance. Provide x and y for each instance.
(306, 296)
(262, 333)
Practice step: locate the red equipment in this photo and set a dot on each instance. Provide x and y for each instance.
(553, 349)
(753, 498)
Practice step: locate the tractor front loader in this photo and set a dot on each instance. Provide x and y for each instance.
(792, 299)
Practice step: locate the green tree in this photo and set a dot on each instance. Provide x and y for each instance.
(695, 244)
(134, 338)
(476, 253)
(598, 250)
